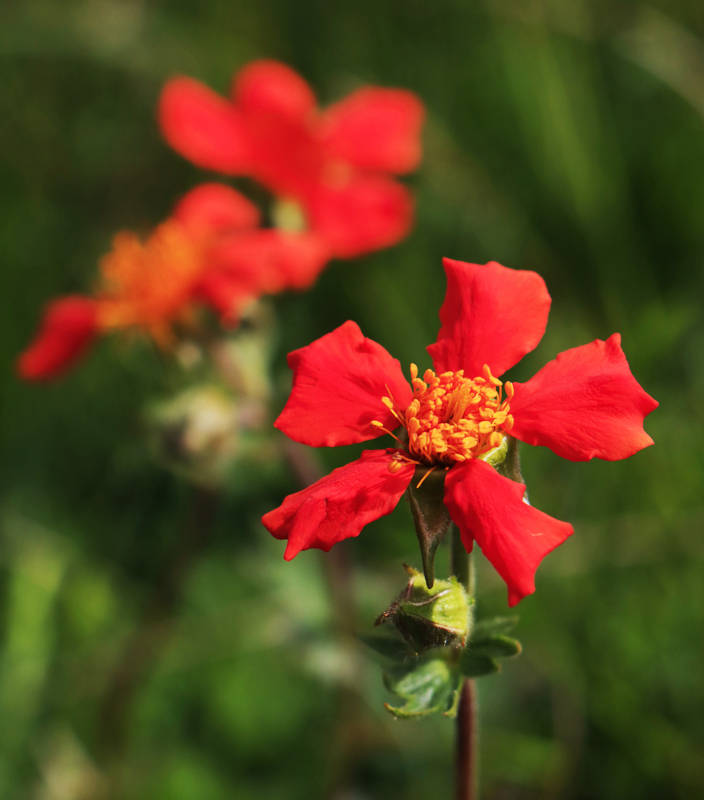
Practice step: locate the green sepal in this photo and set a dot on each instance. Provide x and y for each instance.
(428, 685)
(510, 465)
(430, 516)
(496, 457)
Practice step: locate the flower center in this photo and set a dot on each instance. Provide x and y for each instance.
(453, 418)
(288, 215)
(149, 283)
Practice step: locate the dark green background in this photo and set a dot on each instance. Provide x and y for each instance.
(565, 137)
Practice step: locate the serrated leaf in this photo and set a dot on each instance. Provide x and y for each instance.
(493, 626)
(474, 665)
(392, 648)
(428, 686)
(496, 647)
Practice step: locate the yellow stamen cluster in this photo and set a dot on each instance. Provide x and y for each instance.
(453, 418)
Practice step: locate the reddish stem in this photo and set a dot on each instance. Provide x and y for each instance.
(466, 753)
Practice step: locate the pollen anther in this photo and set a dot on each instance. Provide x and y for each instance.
(453, 418)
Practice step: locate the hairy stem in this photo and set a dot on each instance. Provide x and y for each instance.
(466, 780)
(466, 747)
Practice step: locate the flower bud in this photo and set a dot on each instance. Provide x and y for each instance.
(435, 617)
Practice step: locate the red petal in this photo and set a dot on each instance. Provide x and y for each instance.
(225, 292)
(215, 208)
(272, 88)
(584, 404)
(245, 266)
(68, 327)
(339, 505)
(338, 383)
(513, 535)
(361, 214)
(203, 127)
(376, 129)
(491, 315)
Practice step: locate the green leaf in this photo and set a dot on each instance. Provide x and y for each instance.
(392, 648)
(496, 647)
(493, 626)
(427, 686)
(487, 643)
(474, 665)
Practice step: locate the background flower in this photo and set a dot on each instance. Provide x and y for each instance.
(336, 165)
(210, 250)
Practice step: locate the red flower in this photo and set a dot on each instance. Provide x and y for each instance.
(347, 389)
(209, 251)
(336, 164)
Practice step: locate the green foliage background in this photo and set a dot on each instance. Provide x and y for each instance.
(566, 137)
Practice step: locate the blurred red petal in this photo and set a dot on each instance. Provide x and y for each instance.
(514, 536)
(338, 383)
(491, 315)
(215, 208)
(67, 329)
(584, 404)
(361, 214)
(269, 260)
(375, 129)
(339, 505)
(245, 266)
(226, 293)
(271, 87)
(203, 127)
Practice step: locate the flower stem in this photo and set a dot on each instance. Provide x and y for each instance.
(466, 748)
(467, 782)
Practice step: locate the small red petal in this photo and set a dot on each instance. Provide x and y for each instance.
(584, 404)
(67, 329)
(513, 535)
(226, 293)
(271, 260)
(272, 88)
(491, 315)
(375, 129)
(339, 505)
(248, 265)
(338, 383)
(204, 127)
(215, 208)
(362, 214)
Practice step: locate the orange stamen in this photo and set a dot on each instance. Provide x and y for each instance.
(150, 283)
(452, 418)
(422, 480)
